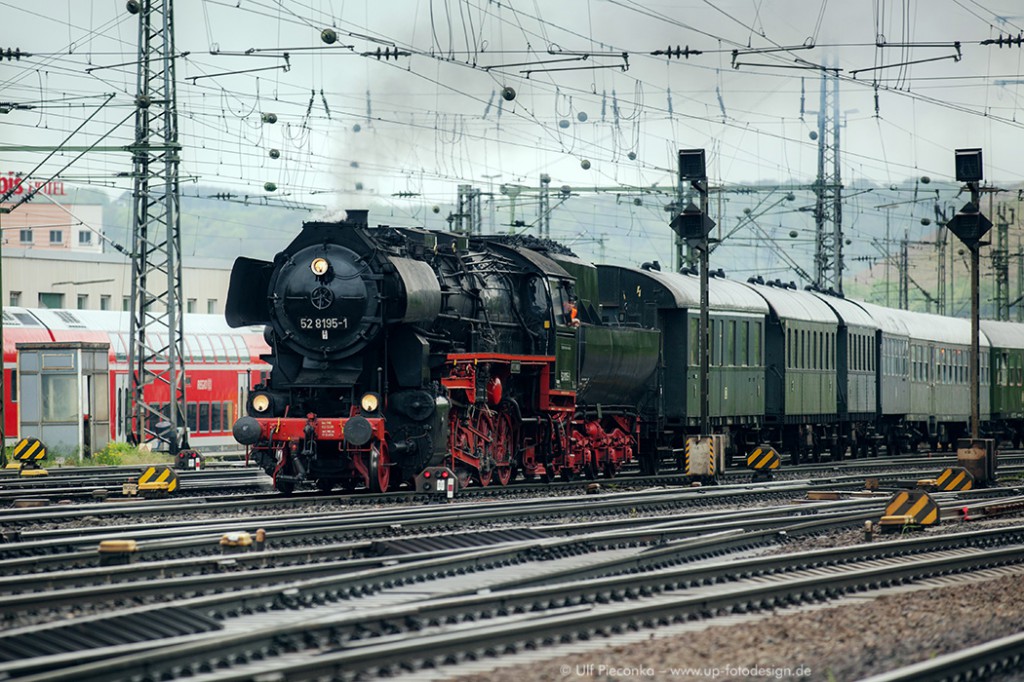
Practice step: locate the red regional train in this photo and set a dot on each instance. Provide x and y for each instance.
(221, 364)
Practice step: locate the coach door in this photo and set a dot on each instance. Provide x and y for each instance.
(123, 407)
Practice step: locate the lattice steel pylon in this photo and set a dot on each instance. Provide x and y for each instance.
(155, 355)
(828, 209)
(1001, 261)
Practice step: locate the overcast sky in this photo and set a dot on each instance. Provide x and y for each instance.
(592, 106)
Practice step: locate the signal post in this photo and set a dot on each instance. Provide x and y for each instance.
(704, 454)
(975, 454)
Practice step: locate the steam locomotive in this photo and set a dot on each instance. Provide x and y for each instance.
(398, 351)
(401, 354)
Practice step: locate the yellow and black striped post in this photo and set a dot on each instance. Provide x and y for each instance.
(763, 458)
(158, 479)
(954, 479)
(28, 456)
(910, 509)
(29, 450)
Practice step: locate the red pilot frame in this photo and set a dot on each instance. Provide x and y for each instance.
(359, 438)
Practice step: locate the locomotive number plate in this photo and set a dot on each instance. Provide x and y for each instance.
(323, 322)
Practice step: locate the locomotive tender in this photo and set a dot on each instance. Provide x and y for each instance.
(399, 353)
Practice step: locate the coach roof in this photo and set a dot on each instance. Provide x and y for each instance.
(684, 290)
(793, 304)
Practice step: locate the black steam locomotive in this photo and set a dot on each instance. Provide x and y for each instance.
(399, 353)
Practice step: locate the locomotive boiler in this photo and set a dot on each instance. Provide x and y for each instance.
(402, 352)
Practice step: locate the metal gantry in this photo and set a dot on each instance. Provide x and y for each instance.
(155, 354)
(469, 217)
(828, 209)
(1001, 261)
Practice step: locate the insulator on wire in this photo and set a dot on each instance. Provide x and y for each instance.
(677, 52)
(387, 53)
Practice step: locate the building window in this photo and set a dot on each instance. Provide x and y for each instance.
(15, 298)
(25, 236)
(83, 301)
(56, 236)
(190, 305)
(126, 303)
(85, 238)
(211, 306)
(51, 300)
(104, 302)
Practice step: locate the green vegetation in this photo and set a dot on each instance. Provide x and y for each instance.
(117, 454)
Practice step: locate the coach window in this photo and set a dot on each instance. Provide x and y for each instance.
(120, 348)
(215, 417)
(218, 349)
(204, 417)
(207, 348)
(730, 343)
(755, 340)
(743, 343)
(694, 349)
(234, 353)
(161, 344)
(716, 343)
(192, 416)
(188, 350)
(12, 386)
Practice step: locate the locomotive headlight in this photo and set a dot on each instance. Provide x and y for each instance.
(369, 402)
(319, 266)
(260, 402)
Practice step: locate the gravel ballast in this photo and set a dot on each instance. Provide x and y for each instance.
(848, 640)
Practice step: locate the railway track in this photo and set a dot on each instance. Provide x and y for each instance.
(435, 611)
(100, 484)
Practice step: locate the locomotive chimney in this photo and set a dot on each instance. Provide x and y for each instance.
(356, 217)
